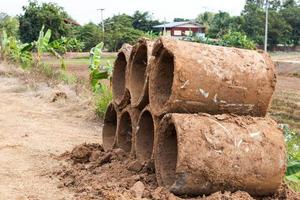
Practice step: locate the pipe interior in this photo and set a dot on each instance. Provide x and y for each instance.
(125, 132)
(167, 155)
(109, 128)
(138, 73)
(162, 79)
(119, 75)
(145, 137)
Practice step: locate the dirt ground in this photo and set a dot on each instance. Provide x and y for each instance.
(37, 122)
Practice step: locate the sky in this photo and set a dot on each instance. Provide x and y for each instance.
(84, 11)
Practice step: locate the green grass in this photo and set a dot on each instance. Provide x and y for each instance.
(79, 61)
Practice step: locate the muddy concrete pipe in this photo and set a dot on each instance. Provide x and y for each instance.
(145, 135)
(121, 94)
(138, 73)
(203, 154)
(191, 77)
(127, 124)
(110, 127)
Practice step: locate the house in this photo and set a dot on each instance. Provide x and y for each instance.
(181, 29)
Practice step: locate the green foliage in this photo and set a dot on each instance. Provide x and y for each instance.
(143, 21)
(42, 45)
(231, 39)
(238, 39)
(293, 148)
(9, 24)
(219, 25)
(36, 15)
(103, 98)
(98, 72)
(103, 93)
(119, 30)
(90, 34)
(206, 19)
(65, 44)
(291, 14)
(15, 51)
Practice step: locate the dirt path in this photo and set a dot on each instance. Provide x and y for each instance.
(33, 129)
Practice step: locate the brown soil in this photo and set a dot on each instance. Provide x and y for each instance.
(39, 120)
(94, 174)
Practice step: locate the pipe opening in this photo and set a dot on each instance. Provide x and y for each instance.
(125, 132)
(145, 137)
(109, 128)
(119, 76)
(138, 73)
(162, 80)
(167, 155)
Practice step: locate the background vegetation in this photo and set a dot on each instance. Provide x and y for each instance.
(245, 31)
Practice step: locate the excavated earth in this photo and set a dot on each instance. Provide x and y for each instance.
(92, 173)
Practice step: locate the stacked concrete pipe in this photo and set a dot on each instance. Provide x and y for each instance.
(192, 77)
(228, 143)
(121, 94)
(202, 154)
(138, 73)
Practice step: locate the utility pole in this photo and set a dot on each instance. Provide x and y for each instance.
(102, 21)
(266, 26)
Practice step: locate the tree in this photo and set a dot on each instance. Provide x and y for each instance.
(9, 24)
(254, 21)
(119, 30)
(291, 14)
(48, 14)
(206, 19)
(180, 19)
(143, 21)
(90, 34)
(220, 24)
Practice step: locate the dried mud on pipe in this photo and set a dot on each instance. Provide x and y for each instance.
(121, 95)
(202, 154)
(190, 77)
(138, 73)
(126, 129)
(110, 126)
(145, 135)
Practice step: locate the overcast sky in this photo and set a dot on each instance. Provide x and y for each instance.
(85, 11)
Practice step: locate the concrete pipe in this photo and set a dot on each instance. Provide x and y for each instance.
(110, 127)
(138, 73)
(121, 94)
(202, 154)
(191, 77)
(127, 123)
(145, 135)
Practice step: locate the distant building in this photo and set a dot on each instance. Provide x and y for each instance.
(182, 29)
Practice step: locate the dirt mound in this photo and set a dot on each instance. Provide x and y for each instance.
(92, 173)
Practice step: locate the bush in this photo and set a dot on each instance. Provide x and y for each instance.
(238, 39)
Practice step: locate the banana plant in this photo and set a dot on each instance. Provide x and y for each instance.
(42, 45)
(98, 72)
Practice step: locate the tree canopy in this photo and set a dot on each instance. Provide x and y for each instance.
(36, 15)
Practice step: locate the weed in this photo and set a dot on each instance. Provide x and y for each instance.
(103, 97)
(292, 140)
(66, 77)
